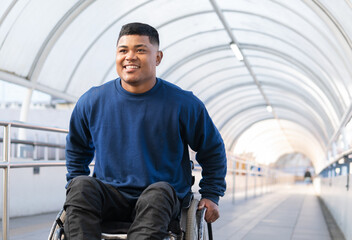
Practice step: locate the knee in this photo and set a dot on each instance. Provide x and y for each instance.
(81, 184)
(84, 197)
(159, 187)
(158, 191)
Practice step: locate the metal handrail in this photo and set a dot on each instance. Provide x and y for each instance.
(336, 159)
(33, 164)
(261, 174)
(33, 127)
(36, 143)
(6, 164)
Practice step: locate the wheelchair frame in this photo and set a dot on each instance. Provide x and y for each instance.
(192, 223)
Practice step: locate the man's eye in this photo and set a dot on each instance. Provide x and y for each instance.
(122, 50)
(140, 50)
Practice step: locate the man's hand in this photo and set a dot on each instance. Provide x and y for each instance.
(212, 213)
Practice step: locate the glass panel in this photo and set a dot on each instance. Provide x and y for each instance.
(310, 126)
(341, 10)
(223, 85)
(192, 46)
(300, 103)
(267, 135)
(199, 24)
(318, 69)
(5, 4)
(294, 14)
(204, 80)
(304, 83)
(190, 65)
(11, 17)
(306, 55)
(102, 57)
(237, 95)
(32, 22)
(96, 23)
(240, 122)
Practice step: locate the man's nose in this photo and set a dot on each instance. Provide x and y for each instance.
(131, 55)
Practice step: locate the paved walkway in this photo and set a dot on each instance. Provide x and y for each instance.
(32, 227)
(293, 214)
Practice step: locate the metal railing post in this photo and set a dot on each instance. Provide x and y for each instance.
(262, 179)
(255, 179)
(56, 149)
(46, 149)
(5, 193)
(233, 179)
(266, 179)
(35, 148)
(247, 173)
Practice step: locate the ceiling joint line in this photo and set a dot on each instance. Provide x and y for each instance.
(95, 40)
(233, 39)
(335, 22)
(8, 10)
(54, 35)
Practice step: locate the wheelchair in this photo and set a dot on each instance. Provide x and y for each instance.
(192, 226)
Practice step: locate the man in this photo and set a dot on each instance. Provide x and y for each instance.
(307, 176)
(139, 127)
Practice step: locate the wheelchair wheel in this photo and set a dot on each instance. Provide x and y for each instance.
(59, 234)
(197, 229)
(57, 230)
(192, 228)
(202, 225)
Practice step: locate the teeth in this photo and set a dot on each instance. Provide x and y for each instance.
(129, 67)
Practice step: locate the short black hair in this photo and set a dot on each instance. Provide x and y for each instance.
(142, 29)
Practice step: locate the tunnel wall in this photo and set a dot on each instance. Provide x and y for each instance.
(338, 199)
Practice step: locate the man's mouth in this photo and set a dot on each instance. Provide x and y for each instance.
(131, 67)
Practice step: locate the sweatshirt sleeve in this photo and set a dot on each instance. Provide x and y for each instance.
(79, 144)
(206, 141)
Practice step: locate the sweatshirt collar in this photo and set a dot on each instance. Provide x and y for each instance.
(120, 89)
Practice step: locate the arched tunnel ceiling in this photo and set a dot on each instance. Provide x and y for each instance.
(297, 58)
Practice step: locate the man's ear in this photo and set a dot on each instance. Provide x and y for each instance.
(159, 57)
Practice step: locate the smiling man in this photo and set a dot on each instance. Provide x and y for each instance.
(136, 62)
(139, 128)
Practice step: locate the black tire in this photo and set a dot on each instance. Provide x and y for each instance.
(192, 225)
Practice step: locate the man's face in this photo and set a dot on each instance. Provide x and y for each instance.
(136, 61)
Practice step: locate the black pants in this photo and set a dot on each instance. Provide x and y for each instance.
(90, 202)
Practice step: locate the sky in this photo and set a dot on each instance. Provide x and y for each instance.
(10, 92)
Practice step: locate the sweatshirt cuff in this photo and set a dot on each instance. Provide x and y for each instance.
(212, 197)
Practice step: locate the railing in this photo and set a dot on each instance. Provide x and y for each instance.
(261, 176)
(7, 164)
(36, 145)
(341, 165)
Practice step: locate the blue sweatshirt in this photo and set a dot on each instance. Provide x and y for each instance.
(140, 139)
